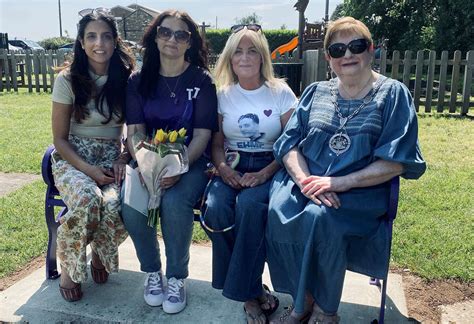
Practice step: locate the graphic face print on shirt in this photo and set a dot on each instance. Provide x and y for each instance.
(249, 125)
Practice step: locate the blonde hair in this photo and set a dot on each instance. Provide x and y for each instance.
(344, 26)
(224, 73)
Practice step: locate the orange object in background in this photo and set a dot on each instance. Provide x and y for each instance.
(282, 49)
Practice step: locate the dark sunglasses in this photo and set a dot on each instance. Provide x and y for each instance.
(181, 36)
(90, 11)
(356, 46)
(252, 27)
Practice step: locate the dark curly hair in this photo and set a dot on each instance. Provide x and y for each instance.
(121, 66)
(196, 54)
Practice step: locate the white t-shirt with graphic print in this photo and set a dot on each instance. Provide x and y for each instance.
(251, 118)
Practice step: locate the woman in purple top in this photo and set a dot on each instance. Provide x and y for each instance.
(173, 90)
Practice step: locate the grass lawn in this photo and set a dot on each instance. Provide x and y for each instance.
(433, 232)
(25, 121)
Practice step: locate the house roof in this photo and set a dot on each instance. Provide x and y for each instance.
(129, 10)
(148, 10)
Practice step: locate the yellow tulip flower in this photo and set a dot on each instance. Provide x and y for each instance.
(182, 132)
(160, 136)
(173, 136)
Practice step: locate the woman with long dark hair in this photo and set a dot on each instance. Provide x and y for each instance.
(87, 121)
(173, 90)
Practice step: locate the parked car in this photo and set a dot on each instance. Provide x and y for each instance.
(67, 46)
(26, 44)
(14, 48)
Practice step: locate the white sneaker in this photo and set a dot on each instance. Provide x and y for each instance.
(154, 292)
(175, 300)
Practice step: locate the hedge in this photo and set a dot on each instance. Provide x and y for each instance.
(218, 37)
(55, 42)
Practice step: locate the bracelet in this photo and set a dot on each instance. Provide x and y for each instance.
(133, 164)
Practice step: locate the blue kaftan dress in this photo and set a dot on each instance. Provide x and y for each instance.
(309, 247)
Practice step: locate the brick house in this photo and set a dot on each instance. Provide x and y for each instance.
(133, 20)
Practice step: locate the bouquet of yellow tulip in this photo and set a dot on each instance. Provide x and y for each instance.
(163, 155)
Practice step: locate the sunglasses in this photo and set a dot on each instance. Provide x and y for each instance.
(356, 46)
(90, 11)
(165, 33)
(252, 27)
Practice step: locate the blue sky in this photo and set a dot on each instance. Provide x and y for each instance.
(38, 19)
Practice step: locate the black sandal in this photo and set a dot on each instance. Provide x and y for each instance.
(270, 310)
(253, 317)
(286, 317)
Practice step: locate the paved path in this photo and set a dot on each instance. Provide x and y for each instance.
(12, 181)
(460, 313)
(37, 300)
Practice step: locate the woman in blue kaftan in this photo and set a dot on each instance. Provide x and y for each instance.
(347, 138)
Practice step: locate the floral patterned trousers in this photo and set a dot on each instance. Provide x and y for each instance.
(93, 212)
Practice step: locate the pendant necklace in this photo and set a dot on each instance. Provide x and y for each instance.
(172, 92)
(340, 142)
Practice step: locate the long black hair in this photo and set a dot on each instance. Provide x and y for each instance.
(196, 54)
(84, 88)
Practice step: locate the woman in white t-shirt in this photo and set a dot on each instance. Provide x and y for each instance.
(254, 107)
(87, 120)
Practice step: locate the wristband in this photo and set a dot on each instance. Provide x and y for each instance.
(133, 164)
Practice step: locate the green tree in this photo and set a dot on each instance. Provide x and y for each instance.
(338, 12)
(454, 25)
(249, 19)
(417, 24)
(55, 42)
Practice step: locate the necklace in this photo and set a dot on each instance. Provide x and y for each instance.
(173, 92)
(340, 142)
(355, 96)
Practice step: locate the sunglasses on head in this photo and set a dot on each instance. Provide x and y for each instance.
(356, 46)
(252, 27)
(90, 11)
(165, 33)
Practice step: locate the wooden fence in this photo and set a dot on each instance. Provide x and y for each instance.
(27, 69)
(435, 81)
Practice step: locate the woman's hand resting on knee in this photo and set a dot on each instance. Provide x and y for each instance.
(101, 175)
(168, 182)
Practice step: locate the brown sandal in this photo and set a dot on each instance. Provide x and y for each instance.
(100, 276)
(71, 294)
(320, 317)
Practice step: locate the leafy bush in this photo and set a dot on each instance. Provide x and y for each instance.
(218, 37)
(55, 42)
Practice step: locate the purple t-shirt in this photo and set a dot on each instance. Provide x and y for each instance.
(194, 106)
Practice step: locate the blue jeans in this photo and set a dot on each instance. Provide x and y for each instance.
(238, 256)
(177, 217)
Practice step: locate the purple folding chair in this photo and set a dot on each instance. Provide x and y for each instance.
(389, 218)
(52, 200)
